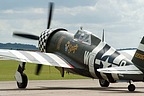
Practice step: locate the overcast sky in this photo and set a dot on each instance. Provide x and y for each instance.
(123, 20)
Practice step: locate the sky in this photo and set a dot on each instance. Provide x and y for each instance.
(122, 20)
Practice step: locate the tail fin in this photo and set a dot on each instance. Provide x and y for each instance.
(138, 58)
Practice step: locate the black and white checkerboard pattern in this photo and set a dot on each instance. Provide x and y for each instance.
(42, 40)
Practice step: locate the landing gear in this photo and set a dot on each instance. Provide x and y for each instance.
(21, 77)
(131, 87)
(103, 83)
(24, 82)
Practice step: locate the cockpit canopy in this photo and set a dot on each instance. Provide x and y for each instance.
(83, 36)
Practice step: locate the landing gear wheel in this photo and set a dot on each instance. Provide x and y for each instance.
(103, 83)
(131, 87)
(24, 81)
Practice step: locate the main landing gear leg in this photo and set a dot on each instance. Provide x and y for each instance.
(131, 87)
(21, 77)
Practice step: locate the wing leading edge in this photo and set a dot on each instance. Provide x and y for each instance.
(34, 57)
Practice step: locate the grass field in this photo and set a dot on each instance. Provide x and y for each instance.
(8, 69)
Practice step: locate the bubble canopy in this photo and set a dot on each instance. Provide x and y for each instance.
(83, 36)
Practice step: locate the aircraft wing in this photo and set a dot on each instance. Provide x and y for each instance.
(130, 69)
(34, 57)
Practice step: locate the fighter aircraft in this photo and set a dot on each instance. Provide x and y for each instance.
(81, 53)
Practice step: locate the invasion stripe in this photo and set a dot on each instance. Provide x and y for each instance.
(115, 76)
(29, 56)
(6, 54)
(102, 51)
(35, 57)
(118, 59)
(58, 60)
(19, 55)
(41, 59)
(110, 78)
(49, 59)
(110, 51)
(103, 76)
(95, 51)
(99, 55)
(98, 48)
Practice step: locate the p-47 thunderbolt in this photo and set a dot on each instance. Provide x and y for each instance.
(81, 53)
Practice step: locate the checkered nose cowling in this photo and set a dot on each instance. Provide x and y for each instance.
(43, 40)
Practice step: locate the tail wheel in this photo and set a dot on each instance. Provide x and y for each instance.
(24, 81)
(103, 83)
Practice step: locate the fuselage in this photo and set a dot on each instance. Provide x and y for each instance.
(87, 53)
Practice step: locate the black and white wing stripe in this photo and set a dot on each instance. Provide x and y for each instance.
(34, 57)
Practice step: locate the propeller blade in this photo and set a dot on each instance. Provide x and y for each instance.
(50, 14)
(39, 66)
(38, 69)
(25, 35)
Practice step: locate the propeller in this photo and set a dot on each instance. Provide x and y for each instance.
(50, 14)
(38, 69)
(34, 37)
(25, 35)
(39, 66)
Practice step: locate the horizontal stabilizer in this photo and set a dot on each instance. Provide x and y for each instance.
(130, 69)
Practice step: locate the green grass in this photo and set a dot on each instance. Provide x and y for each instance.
(8, 69)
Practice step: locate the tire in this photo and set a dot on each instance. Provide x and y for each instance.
(24, 81)
(131, 87)
(103, 83)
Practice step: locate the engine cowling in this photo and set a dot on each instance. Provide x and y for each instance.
(45, 36)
